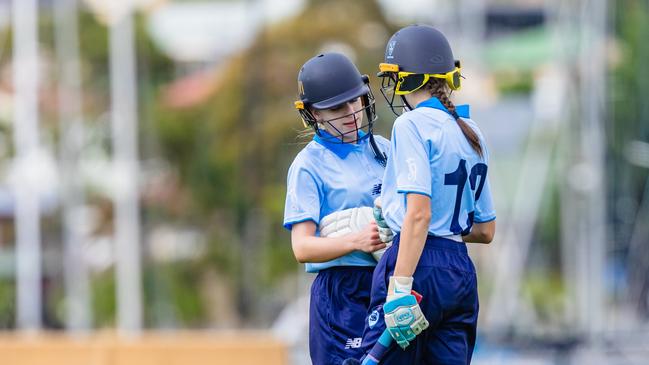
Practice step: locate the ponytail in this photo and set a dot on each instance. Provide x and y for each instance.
(438, 89)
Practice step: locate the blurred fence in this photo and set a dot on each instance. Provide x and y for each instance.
(178, 348)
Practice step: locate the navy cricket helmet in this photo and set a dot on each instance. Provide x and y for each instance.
(413, 56)
(327, 81)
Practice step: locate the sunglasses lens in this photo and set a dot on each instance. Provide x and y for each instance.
(411, 82)
(456, 80)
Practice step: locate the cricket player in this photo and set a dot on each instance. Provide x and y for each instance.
(435, 198)
(331, 186)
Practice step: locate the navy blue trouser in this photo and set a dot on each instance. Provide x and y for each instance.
(340, 297)
(446, 278)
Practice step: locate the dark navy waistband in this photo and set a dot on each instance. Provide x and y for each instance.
(438, 242)
(343, 269)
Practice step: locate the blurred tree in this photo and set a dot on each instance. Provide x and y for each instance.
(629, 184)
(232, 151)
(228, 152)
(7, 304)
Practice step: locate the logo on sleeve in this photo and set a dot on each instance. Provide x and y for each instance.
(412, 169)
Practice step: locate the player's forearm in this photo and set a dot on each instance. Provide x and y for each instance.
(411, 243)
(320, 249)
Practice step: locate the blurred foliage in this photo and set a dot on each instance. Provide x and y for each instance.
(225, 157)
(546, 291)
(7, 304)
(628, 183)
(180, 301)
(520, 82)
(629, 87)
(104, 299)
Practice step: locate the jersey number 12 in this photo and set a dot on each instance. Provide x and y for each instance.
(458, 178)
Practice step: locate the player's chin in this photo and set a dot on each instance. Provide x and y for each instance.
(349, 136)
(351, 129)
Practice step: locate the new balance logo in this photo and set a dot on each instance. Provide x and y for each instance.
(376, 190)
(353, 343)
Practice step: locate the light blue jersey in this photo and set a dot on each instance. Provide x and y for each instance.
(429, 155)
(326, 177)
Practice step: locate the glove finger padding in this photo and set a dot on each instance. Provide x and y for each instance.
(386, 235)
(378, 217)
(379, 253)
(345, 221)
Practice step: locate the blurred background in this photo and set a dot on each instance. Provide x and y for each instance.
(144, 147)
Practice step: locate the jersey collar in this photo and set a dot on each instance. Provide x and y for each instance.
(341, 150)
(461, 110)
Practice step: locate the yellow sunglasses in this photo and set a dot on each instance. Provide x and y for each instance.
(408, 82)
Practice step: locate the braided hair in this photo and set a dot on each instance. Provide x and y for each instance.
(439, 89)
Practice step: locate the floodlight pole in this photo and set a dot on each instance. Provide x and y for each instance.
(125, 171)
(25, 118)
(75, 273)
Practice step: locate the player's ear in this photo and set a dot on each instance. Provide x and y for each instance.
(316, 114)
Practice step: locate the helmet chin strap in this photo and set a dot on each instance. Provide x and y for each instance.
(379, 155)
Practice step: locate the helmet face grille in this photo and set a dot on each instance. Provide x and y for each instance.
(388, 86)
(329, 80)
(369, 107)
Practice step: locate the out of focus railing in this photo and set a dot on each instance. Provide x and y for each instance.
(196, 348)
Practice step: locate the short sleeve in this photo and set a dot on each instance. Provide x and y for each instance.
(303, 198)
(484, 208)
(411, 161)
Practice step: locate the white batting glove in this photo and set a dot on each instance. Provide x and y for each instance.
(346, 221)
(353, 220)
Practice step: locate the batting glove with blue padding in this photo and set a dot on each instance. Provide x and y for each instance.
(403, 316)
(378, 213)
(385, 233)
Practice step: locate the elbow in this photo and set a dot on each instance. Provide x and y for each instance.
(486, 232)
(487, 237)
(300, 256)
(299, 253)
(421, 217)
(478, 237)
(425, 217)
